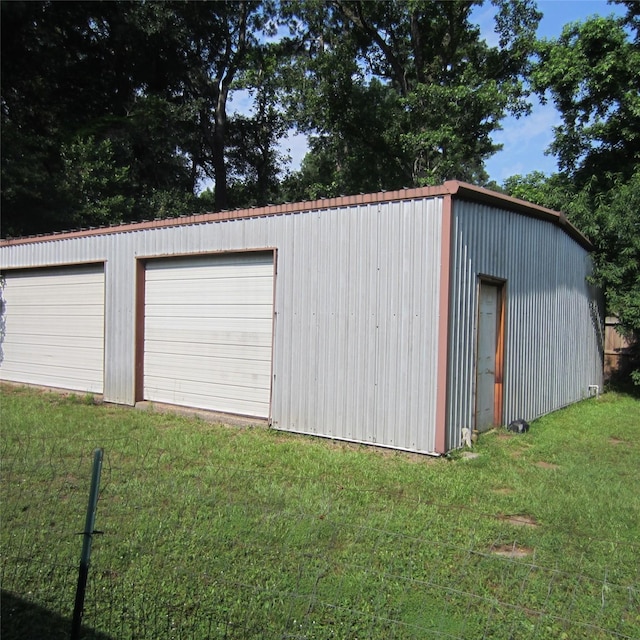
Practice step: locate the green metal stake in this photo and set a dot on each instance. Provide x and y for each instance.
(88, 532)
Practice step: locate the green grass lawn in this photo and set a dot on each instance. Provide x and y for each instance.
(225, 532)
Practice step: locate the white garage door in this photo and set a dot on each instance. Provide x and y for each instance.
(208, 332)
(54, 328)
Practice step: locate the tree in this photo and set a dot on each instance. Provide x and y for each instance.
(254, 156)
(555, 192)
(591, 73)
(405, 93)
(86, 141)
(115, 111)
(213, 39)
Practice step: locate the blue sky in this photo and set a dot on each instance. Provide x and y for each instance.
(525, 140)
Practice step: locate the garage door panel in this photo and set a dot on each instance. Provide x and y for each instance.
(58, 310)
(221, 391)
(208, 332)
(54, 328)
(233, 291)
(56, 378)
(202, 330)
(53, 375)
(212, 397)
(204, 310)
(250, 339)
(64, 277)
(241, 373)
(54, 355)
(221, 386)
(58, 294)
(199, 268)
(218, 349)
(37, 341)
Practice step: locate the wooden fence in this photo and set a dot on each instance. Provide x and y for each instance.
(617, 349)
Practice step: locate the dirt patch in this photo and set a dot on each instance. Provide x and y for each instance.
(504, 491)
(512, 551)
(616, 441)
(384, 452)
(519, 520)
(547, 465)
(215, 417)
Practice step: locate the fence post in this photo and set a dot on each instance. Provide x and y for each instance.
(83, 571)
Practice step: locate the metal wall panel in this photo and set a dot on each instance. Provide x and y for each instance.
(355, 311)
(553, 348)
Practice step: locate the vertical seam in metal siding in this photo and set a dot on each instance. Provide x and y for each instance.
(443, 325)
(138, 381)
(274, 318)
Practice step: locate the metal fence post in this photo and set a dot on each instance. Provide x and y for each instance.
(83, 571)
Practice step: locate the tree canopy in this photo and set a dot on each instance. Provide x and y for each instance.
(118, 111)
(591, 73)
(114, 111)
(404, 93)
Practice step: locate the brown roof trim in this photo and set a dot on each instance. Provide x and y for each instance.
(481, 195)
(451, 187)
(220, 216)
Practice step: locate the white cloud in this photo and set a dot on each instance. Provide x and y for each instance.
(296, 146)
(533, 130)
(484, 17)
(525, 142)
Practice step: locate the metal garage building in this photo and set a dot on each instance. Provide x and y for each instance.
(397, 319)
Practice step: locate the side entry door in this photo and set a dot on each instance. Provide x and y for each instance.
(489, 355)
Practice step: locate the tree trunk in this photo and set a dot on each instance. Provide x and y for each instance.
(218, 147)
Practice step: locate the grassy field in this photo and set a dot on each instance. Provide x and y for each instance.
(225, 532)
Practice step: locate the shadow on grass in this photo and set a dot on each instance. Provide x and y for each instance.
(621, 382)
(23, 620)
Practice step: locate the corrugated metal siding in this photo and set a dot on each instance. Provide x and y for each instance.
(120, 317)
(553, 343)
(355, 293)
(356, 313)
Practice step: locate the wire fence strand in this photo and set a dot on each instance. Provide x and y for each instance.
(245, 556)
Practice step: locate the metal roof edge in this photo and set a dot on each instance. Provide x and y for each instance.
(452, 188)
(481, 195)
(221, 216)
